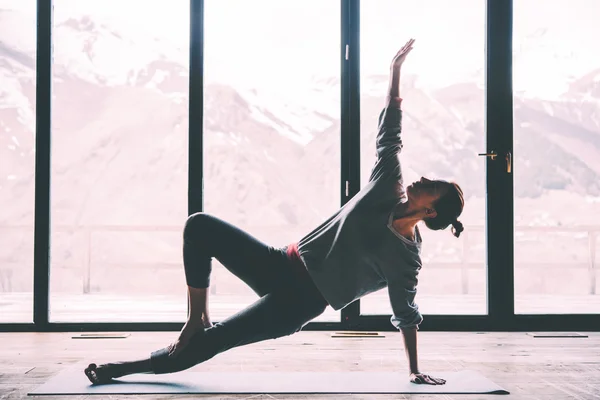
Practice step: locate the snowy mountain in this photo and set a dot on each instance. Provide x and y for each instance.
(101, 72)
(120, 123)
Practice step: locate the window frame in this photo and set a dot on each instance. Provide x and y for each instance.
(499, 184)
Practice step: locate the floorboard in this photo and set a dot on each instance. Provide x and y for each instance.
(530, 368)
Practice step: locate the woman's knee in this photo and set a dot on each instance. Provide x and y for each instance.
(197, 225)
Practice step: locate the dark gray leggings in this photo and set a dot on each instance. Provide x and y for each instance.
(288, 297)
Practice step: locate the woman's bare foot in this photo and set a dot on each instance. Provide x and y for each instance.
(99, 375)
(105, 373)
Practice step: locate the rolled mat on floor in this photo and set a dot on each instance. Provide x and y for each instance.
(74, 382)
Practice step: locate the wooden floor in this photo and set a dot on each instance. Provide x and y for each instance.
(530, 368)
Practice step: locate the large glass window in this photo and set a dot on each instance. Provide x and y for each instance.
(17, 158)
(443, 131)
(119, 160)
(271, 125)
(556, 73)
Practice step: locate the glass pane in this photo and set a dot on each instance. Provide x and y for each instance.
(443, 130)
(271, 125)
(557, 151)
(119, 160)
(17, 158)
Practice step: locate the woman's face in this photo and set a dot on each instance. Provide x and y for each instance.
(425, 192)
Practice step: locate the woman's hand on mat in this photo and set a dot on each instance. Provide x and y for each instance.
(190, 328)
(426, 379)
(402, 53)
(176, 347)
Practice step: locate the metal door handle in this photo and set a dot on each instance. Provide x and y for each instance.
(491, 154)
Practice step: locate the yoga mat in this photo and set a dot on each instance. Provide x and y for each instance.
(74, 382)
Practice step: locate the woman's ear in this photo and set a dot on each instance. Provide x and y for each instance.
(430, 213)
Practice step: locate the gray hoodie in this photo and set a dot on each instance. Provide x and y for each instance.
(357, 251)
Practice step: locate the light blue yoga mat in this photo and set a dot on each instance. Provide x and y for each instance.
(74, 382)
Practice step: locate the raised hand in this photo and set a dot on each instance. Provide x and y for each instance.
(402, 53)
(426, 379)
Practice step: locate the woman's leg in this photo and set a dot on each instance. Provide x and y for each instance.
(206, 237)
(274, 315)
(277, 314)
(265, 269)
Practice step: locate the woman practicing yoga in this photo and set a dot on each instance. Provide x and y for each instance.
(371, 243)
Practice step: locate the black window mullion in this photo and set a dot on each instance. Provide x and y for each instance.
(43, 121)
(196, 109)
(499, 130)
(350, 119)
